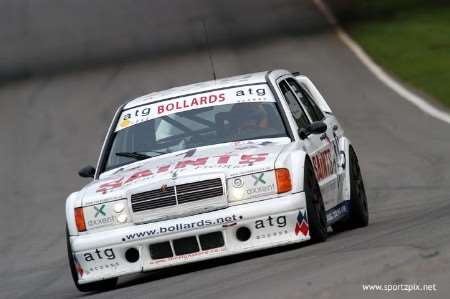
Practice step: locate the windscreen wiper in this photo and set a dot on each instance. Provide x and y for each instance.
(134, 155)
(138, 155)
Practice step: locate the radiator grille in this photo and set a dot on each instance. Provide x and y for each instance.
(176, 195)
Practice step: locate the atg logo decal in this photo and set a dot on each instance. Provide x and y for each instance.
(95, 260)
(99, 254)
(302, 224)
(271, 227)
(279, 221)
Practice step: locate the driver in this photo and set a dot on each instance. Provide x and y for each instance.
(249, 116)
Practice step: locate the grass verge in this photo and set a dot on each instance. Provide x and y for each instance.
(409, 38)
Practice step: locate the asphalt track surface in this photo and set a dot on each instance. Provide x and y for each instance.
(51, 125)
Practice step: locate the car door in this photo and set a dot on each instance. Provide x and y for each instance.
(338, 131)
(315, 145)
(324, 160)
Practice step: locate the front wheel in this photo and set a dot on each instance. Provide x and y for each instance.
(359, 212)
(102, 285)
(317, 218)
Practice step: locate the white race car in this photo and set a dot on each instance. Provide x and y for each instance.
(209, 170)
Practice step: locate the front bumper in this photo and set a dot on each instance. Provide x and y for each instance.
(270, 222)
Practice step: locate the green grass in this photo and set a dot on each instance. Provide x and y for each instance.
(408, 38)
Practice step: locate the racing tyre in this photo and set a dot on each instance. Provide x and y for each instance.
(317, 218)
(359, 212)
(97, 286)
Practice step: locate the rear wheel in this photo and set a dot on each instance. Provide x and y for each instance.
(102, 285)
(359, 212)
(317, 218)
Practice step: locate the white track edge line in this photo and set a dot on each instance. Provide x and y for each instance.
(406, 94)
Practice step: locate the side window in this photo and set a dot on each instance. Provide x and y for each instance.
(313, 110)
(297, 111)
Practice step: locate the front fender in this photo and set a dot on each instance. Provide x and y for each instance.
(293, 158)
(344, 168)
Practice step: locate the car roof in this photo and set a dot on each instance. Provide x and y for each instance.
(254, 78)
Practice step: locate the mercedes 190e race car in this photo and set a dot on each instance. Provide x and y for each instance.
(209, 170)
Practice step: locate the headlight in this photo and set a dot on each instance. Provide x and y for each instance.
(259, 184)
(101, 215)
(251, 186)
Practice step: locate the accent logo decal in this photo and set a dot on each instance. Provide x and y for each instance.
(99, 211)
(302, 224)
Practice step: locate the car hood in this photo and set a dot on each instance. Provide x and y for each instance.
(222, 160)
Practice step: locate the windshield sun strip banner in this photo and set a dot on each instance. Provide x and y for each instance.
(242, 94)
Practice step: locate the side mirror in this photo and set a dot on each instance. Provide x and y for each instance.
(87, 172)
(317, 127)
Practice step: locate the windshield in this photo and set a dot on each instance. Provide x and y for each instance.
(207, 119)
